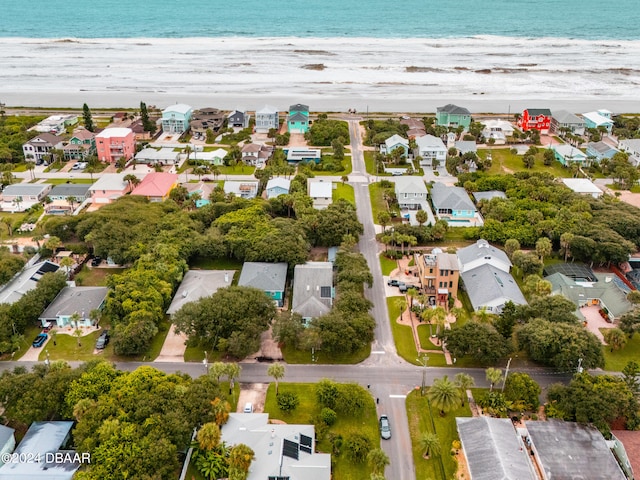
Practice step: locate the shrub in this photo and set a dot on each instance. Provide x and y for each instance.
(357, 446)
(288, 401)
(328, 416)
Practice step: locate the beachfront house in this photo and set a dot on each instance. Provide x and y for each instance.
(394, 142)
(452, 203)
(72, 302)
(176, 118)
(205, 119)
(411, 193)
(600, 150)
(38, 149)
(498, 130)
(238, 119)
(453, 116)
(632, 148)
(112, 144)
(56, 124)
(298, 121)
(277, 186)
(162, 156)
(266, 119)
(321, 192)
(271, 278)
(156, 186)
(108, 188)
(22, 196)
(583, 186)
(564, 121)
(566, 155)
(431, 149)
(66, 197)
(599, 118)
(535, 119)
(81, 144)
(313, 290)
(243, 189)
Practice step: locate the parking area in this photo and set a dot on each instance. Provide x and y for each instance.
(254, 393)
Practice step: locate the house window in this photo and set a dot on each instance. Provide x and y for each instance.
(450, 284)
(325, 292)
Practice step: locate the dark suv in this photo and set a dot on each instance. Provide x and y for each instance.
(39, 340)
(103, 340)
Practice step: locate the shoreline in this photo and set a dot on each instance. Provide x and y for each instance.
(317, 103)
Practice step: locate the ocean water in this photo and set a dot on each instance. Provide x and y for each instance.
(498, 55)
(581, 19)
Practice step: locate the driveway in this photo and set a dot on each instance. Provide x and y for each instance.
(254, 393)
(33, 353)
(173, 347)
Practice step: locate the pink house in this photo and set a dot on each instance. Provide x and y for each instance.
(156, 186)
(112, 144)
(108, 188)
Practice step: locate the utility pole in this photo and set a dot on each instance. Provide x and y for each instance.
(205, 361)
(423, 361)
(506, 374)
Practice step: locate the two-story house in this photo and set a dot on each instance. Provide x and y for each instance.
(565, 121)
(266, 119)
(242, 189)
(411, 192)
(632, 148)
(238, 119)
(535, 119)
(206, 119)
(108, 188)
(439, 276)
(112, 144)
(430, 149)
(38, 149)
(599, 118)
(497, 130)
(81, 144)
(453, 116)
(298, 121)
(176, 118)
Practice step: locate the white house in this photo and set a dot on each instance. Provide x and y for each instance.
(244, 189)
(411, 192)
(600, 118)
(583, 186)
(499, 130)
(267, 118)
(632, 148)
(480, 253)
(321, 193)
(163, 156)
(431, 148)
(215, 157)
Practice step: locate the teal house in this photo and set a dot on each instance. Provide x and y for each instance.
(453, 116)
(298, 121)
(271, 278)
(176, 118)
(566, 155)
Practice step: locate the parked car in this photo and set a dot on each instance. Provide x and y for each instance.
(403, 287)
(385, 427)
(393, 282)
(103, 340)
(39, 340)
(76, 166)
(47, 326)
(96, 261)
(248, 407)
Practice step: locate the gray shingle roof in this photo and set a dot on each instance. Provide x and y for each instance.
(464, 146)
(493, 449)
(299, 107)
(481, 249)
(488, 195)
(298, 117)
(410, 185)
(566, 117)
(487, 284)
(75, 299)
(450, 198)
(570, 450)
(25, 189)
(198, 284)
(600, 147)
(26, 280)
(270, 277)
(70, 190)
(307, 282)
(6, 433)
(534, 112)
(454, 109)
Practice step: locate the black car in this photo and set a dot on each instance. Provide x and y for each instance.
(103, 340)
(96, 261)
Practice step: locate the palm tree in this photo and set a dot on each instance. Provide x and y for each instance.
(412, 293)
(276, 370)
(31, 166)
(208, 436)
(430, 444)
(220, 410)
(232, 372)
(444, 395)
(82, 407)
(463, 381)
(344, 179)
(240, 457)
(67, 263)
(377, 460)
(54, 336)
(72, 200)
(616, 338)
(78, 333)
(132, 180)
(494, 375)
(422, 217)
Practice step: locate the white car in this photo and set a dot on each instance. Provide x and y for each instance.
(248, 407)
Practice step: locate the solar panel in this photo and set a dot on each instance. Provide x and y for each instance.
(306, 441)
(325, 292)
(290, 449)
(576, 271)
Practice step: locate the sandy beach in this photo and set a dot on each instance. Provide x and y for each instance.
(485, 74)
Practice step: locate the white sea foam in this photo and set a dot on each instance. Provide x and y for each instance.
(329, 73)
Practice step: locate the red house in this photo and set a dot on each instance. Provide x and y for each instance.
(535, 119)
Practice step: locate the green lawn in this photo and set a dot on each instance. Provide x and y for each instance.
(196, 354)
(503, 161)
(377, 201)
(423, 335)
(345, 192)
(60, 181)
(95, 277)
(388, 265)
(294, 356)
(154, 349)
(365, 423)
(423, 418)
(615, 361)
(240, 169)
(402, 335)
(20, 167)
(28, 336)
(67, 348)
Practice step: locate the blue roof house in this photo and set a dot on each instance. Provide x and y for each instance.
(298, 121)
(277, 186)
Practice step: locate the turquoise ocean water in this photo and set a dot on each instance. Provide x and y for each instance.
(577, 19)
